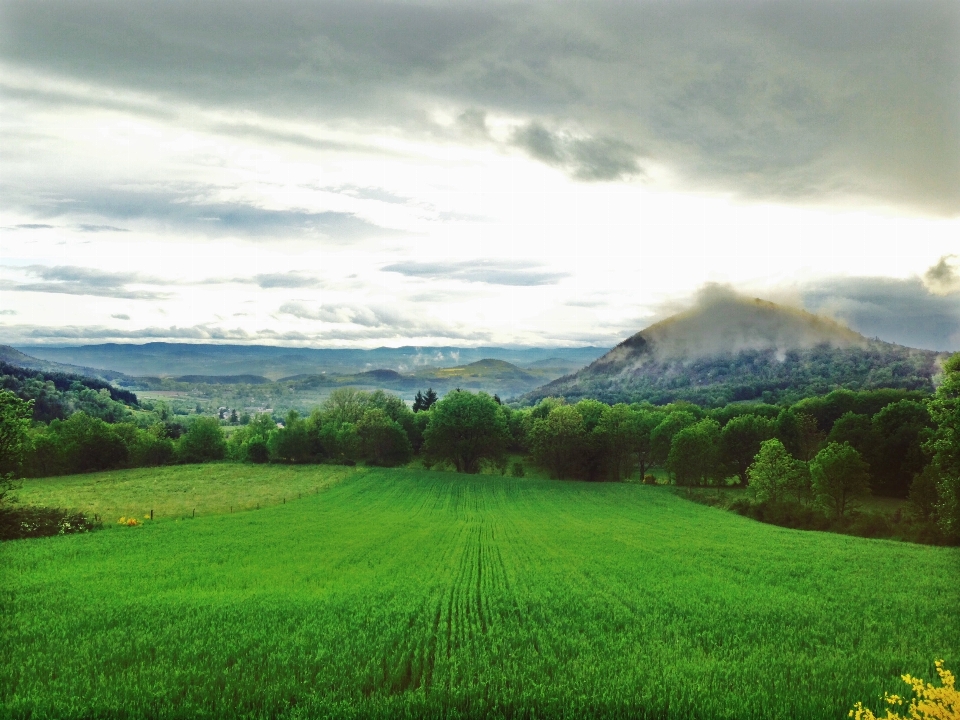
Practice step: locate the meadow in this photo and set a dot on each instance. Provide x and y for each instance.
(403, 592)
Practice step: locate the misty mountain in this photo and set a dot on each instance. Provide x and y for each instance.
(14, 357)
(164, 360)
(730, 348)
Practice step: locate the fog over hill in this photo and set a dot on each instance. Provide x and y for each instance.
(729, 347)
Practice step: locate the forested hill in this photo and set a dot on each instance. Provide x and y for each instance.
(57, 395)
(733, 349)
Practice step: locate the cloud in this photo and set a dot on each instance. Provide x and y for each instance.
(121, 316)
(374, 321)
(100, 228)
(810, 101)
(34, 226)
(286, 280)
(8, 312)
(943, 278)
(74, 280)
(906, 312)
(491, 272)
(189, 207)
(584, 158)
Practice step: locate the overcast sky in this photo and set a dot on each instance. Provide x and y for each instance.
(364, 174)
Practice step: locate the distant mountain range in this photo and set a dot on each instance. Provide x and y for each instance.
(734, 348)
(183, 359)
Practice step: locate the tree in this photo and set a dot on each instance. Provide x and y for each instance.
(15, 416)
(465, 429)
(344, 405)
(382, 440)
(557, 442)
(291, 443)
(740, 441)
(944, 410)
(645, 422)
(203, 442)
(775, 474)
(857, 430)
(662, 435)
(694, 456)
(839, 478)
(616, 432)
(901, 428)
(88, 443)
(424, 401)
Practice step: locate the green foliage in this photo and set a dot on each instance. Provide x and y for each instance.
(754, 375)
(775, 476)
(923, 493)
(740, 441)
(203, 442)
(902, 430)
(15, 417)
(557, 442)
(839, 478)
(617, 433)
(661, 437)
(944, 410)
(465, 430)
(291, 443)
(382, 440)
(57, 395)
(694, 457)
(399, 593)
(17, 523)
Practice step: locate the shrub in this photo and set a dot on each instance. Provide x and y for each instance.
(517, 470)
(257, 451)
(32, 522)
(928, 703)
(649, 479)
(204, 441)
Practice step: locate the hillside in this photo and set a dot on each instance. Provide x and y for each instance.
(164, 360)
(12, 356)
(732, 348)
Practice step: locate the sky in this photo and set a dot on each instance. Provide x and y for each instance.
(356, 174)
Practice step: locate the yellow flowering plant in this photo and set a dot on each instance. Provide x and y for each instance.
(929, 702)
(128, 521)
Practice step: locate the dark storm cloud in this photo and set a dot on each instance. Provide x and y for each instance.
(189, 208)
(900, 311)
(73, 280)
(787, 100)
(943, 278)
(522, 273)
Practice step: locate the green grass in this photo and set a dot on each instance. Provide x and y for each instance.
(408, 593)
(181, 490)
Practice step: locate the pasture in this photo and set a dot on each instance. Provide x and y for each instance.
(398, 593)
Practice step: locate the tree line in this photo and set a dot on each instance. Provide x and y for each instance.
(830, 450)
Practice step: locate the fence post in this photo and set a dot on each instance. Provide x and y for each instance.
(194, 512)
(151, 513)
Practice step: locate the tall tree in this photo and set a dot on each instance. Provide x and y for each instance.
(617, 432)
(466, 429)
(694, 457)
(945, 446)
(775, 475)
(839, 477)
(557, 442)
(740, 441)
(15, 415)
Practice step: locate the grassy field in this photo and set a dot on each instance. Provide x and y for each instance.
(409, 593)
(179, 491)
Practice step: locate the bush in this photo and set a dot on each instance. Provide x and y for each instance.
(257, 451)
(649, 479)
(32, 522)
(204, 441)
(517, 470)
